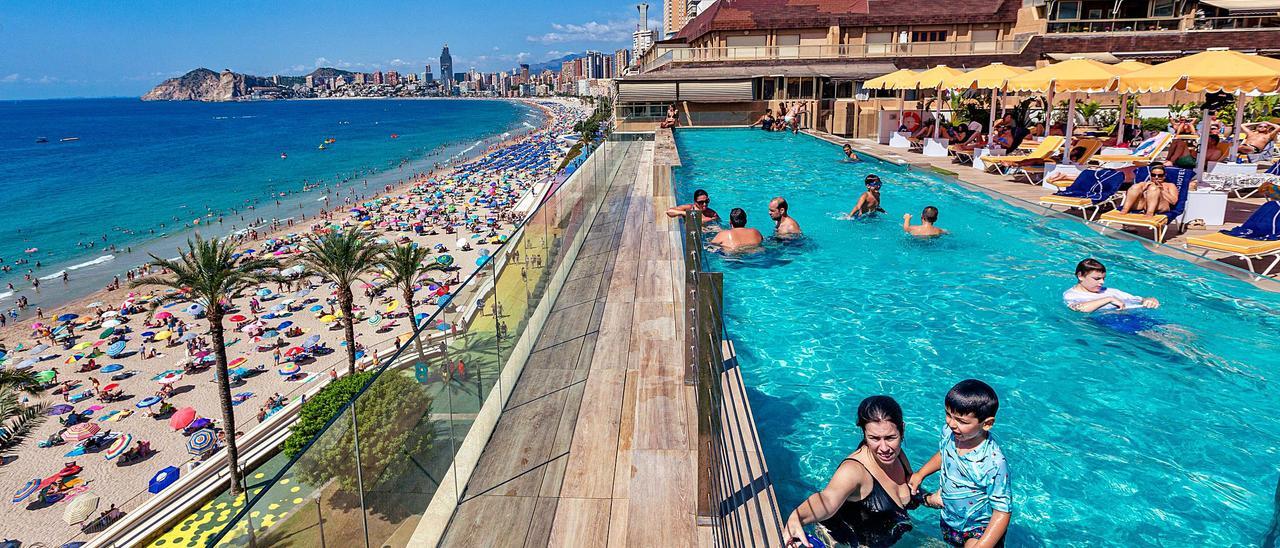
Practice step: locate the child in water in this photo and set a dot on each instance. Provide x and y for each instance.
(869, 202)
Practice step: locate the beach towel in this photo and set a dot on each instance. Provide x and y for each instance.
(1263, 225)
(1095, 184)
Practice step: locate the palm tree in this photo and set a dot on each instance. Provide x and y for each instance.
(342, 257)
(17, 420)
(404, 265)
(209, 273)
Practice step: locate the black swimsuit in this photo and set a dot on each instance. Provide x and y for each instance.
(875, 521)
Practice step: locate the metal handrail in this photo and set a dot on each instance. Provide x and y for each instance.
(726, 479)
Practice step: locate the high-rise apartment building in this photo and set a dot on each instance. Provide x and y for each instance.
(642, 38)
(391, 78)
(426, 76)
(446, 67)
(377, 78)
(621, 60)
(675, 13)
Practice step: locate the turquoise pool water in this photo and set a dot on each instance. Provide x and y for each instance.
(1112, 438)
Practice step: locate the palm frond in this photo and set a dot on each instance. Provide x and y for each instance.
(25, 381)
(18, 420)
(343, 257)
(210, 271)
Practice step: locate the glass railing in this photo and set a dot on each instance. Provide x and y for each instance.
(390, 466)
(1116, 25)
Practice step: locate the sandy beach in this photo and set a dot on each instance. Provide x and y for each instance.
(470, 200)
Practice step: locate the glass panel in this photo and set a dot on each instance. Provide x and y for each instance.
(1068, 10)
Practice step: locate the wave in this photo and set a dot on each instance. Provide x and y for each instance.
(219, 117)
(99, 260)
(6, 295)
(53, 276)
(527, 124)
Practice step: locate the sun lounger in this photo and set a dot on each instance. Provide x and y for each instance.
(1015, 164)
(1229, 178)
(1158, 223)
(1143, 154)
(1256, 239)
(1091, 190)
(1088, 147)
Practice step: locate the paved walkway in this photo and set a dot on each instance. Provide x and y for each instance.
(600, 416)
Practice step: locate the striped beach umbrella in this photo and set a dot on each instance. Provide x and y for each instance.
(119, 446)
(80, 432)
(26, 490)
(80, 509)
(201, 442)
(116, 349)
(290, 370)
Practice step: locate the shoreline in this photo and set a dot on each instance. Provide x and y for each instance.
(16, 330)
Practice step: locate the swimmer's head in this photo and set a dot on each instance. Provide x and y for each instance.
(1091, 275)
(880, 418)
(701, 198)
(848, 147)
(971, 409)
(777, 208)
(929, 215)
(737, 218)
(872, 181)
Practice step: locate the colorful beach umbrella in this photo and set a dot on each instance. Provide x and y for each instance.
(60, 409)
(392, 306)
(163, 335)
(109, 388)
(170, 378)
(115, 349)
(119, 446)
(148, 402)
(182, 418)
(328, 318)
(80, 509)
(80, 432)
(290, 370)
(237, 361)
(82, 346)
(26, 490)
(46, 376)
(68, 317)
(107, 332)
(201, 442)
(316, 308)
(163, 478)
(111, 323)
(237, 318)
(294, 351)
(163, 316)
(112, 368)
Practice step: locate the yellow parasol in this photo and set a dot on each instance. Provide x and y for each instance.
(163, 335)
(900, 80)
(933, 79)
(1075, 75)
(1130, 66)
(994, 77)
(392, 306)
(1212, 71)
(327, 318)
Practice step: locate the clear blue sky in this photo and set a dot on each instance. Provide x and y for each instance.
(94, 48)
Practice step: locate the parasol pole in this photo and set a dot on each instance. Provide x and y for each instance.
(1124, 115)
(1235, 133)
(1204, 138)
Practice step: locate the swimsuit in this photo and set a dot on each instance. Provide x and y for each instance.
(875, 521)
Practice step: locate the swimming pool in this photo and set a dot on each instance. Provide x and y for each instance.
(1112, 438)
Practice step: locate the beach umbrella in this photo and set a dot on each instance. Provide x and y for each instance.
(481, 260)
(237, 318)
(264, 292)
(119, 446)
(189, 336)
(193, 309)
(237, 361)
(328, 318)
(170, 378)
(284, 325)
(111, 323)
(112, 368)
(60, 409)
(94, 304)
(110, 314)
(290, 370)
(182, 418)
(163, 479)
(80, 509)
(201, 442)
(82, 345)
(46, 376)
(311, 341)
(199, 423)
(316, 308)
(79, 432)
(109, 388)
(163, 316)
(148, 402)
(375, 319)
(107, 332)
(293, 351)
(163, 335)
(148, 334)
(392, 306)
(115, 349)
(68, 317)
(26, 490)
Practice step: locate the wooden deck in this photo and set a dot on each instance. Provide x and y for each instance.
(597, 443)
(1027, 196)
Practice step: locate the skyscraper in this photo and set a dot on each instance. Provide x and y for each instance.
(426, 76)
(446, 67)
(642, 38)
(675, 13)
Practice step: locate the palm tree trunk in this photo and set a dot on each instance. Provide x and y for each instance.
(344, 302)
(224, 396)
(413, 320)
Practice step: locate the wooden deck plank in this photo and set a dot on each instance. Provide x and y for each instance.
(580, 522)
(662, 481)
(589, 473)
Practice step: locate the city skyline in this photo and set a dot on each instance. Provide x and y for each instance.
(155, 41)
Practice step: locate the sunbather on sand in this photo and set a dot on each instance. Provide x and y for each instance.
(738, 236)
(1155, 195)
(1091, 294)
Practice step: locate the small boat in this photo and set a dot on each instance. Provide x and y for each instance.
(395, 135)
(284, 156)
(322, 147)
(330, 140)
(42, 139)
(69, 139)
(31, 250)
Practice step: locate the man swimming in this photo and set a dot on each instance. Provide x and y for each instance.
(869, 202)
(850, 155)
(701, 202)
(783, 223)
(738, 236)
(926, 228)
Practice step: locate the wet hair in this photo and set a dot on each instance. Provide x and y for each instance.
(737, 218)
(1089, 265)
(878, 409)
(848, 146)
(699, 193)
(782, 203)
(872, 180)
(930, 214)
(972, 396)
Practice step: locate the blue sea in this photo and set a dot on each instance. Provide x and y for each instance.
(138, 175)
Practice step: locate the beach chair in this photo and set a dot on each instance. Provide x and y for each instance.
(1091, 190)
(1143, 154)
(1256, 239)
(1230, 178)
(1038, 156)
(1159, 223)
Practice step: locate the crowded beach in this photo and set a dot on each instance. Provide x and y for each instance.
(124, 378)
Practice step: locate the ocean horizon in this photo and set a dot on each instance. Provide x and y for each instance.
(142, 177)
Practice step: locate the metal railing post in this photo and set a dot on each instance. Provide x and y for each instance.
(355, 433)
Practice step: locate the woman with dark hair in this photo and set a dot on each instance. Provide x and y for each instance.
(866, 501)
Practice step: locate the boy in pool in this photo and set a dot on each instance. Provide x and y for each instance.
(926, 228)
(850, 155)
(974, 492)
(1090, 294)
(869, 202)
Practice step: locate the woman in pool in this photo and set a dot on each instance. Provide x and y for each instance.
(869, 202)
(866, 501)
(1090, 293)
(701, 202)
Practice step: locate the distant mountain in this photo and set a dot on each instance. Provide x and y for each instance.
(203, 84)
(554, 64)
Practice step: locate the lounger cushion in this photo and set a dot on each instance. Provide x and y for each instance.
(1137, 219)
(1232, 244)
(1066, 201)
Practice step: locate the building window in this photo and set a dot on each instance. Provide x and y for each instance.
(1068, 10)
(1162, 8)
(929, 36)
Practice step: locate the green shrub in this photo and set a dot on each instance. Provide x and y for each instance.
(1155, 124)
(317, 411)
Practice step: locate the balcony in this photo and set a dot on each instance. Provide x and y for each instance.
(1155, 24)
(831, 52)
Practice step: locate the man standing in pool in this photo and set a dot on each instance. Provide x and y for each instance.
(926, 228)
(738, 236)
(701, 202)
(785, 225)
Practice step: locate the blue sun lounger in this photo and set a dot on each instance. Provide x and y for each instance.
(1158, 223)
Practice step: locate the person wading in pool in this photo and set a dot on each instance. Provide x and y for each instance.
(869, 202)
(701, 202)
(1091, 294)
(738, 236)
(866, 501)
(850, 155)
(784, 224)
(926, 228)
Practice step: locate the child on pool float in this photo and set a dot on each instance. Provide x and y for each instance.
(1090, 295)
